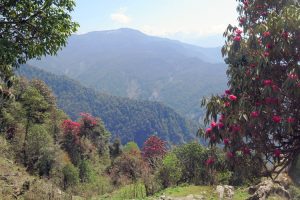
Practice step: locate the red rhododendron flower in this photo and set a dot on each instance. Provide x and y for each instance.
(275, 88)
(226, 141)
(266, 54)
(210, 161)
(254, 114)
(208, 131)
(291, 120)
(227, 104)
(276, 119)
(213, 124)
(242, 20)
(268, 82)
(238, 32)
(227, 92)
(246, 151)
(252, 65)
(293, 76)
(269, 46)
(236, 128)
(229, 154)
(232, 97)
(266, 34)
(277, 153)
(237, 38)
(285, 34)
(221, 125)
(213, 138)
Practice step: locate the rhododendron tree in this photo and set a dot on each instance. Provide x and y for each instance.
(260, 112)
(154, 149)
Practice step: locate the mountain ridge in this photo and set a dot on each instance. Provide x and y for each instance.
(124, 118)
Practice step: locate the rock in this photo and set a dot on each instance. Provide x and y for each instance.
(266, 188)
(225, 191)
(189, 197)
(220, 190)
(199, 197)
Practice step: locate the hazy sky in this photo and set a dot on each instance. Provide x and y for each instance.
(179, 19)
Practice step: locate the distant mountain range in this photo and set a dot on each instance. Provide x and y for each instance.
(128, 63)
(129, 120)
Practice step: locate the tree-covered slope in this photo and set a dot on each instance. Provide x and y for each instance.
(128, 63)
(123, 117)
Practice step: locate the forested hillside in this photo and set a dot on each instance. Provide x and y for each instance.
(125, 118)
(128, 63)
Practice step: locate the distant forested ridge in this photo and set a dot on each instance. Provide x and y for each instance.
(124, 118)
(128, 63)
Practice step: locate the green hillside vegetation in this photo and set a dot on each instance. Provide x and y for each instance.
(129, 120)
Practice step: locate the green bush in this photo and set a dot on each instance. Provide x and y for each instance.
(192, 157)
(40, 151)
(171, 170)
(85, 171)
(71, 176)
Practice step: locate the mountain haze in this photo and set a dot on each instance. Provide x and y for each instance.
(128, 63)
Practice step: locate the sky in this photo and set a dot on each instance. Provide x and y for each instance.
(192, 21)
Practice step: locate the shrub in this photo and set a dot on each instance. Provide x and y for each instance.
(171, 170)
(39, 150)
(71, 176)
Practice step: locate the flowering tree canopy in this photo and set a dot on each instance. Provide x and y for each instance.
(259, 115)
(154, 149)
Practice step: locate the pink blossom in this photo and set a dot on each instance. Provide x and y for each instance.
(226, 141)
(254, 114)
(210, 161)
(208, 131)
(221, 125)
(277, 153)
(229, 154)
(232, 97)
(276, 119)
(237, 38)
(266, 54)
(213, 124)
(291, 120)
(238, 32)
(268, 82)
(227, 92)
(266, 34)
(285, 34)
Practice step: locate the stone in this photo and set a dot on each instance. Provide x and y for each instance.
(225, 192)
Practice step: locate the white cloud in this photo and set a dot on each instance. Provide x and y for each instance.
(120, 16)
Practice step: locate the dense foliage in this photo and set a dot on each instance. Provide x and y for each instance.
(128, 120)
(259, 115)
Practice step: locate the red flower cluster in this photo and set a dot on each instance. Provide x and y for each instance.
(276, 119)
(88, 120)
(268, 82)
(226, 141)
(210, 161)
(237, 38)
(254, 114)
(291, 120)
(154, 147)
(70, 127)
(266, 34)
(232, 97)
(277, 153)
